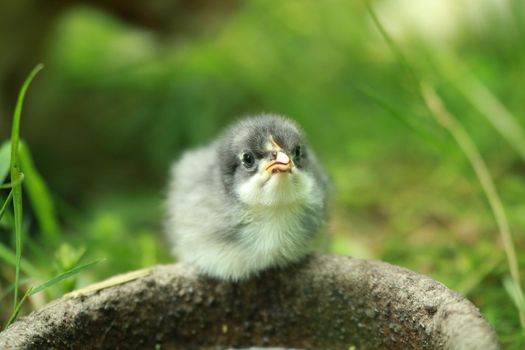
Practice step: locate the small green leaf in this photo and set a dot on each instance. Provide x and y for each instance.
(63, 276)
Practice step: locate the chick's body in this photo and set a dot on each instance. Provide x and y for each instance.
(250, 200)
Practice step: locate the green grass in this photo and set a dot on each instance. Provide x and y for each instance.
(435, 105)
(503, 122)
(41, 202)
(482, 99)
(16, 179)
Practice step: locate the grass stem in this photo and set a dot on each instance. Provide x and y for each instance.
(449, 122)
(15, 175)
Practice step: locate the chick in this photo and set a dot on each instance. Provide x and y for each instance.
(252, 199)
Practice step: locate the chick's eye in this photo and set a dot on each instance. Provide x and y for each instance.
(248, 160)
(297, 152)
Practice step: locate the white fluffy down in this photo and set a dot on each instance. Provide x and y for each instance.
(273, 235)
(278, 190)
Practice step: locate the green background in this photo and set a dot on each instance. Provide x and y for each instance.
(128, 86)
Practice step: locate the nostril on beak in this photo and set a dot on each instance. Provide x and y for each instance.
(274, 155)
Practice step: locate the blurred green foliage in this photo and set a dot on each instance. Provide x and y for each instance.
(118, 102)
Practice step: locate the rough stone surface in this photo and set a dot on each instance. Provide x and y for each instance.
(325, 302)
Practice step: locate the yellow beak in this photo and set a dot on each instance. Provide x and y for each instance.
(281, 164)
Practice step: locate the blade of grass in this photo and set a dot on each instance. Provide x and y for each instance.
(515, 294)
(32, 291)
(518, 10)
(495, 112)
(418, 129)
(392, 45)
(485, 102)
(15, 174)
(10, 288)
(63, 276)
(473, 279)
(443, 117)
(6, 203)
(449, 122)
(39, 196)
(17, 308)
(14, 183)
(113, 281)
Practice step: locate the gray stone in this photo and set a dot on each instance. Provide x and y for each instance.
(325, 302)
